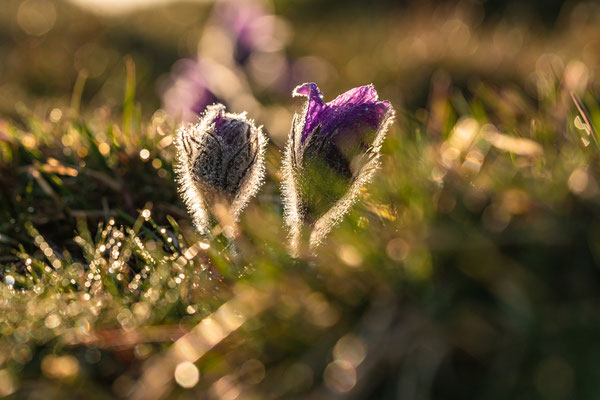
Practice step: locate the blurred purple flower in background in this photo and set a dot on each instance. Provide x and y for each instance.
(258, 39)
(187, 91)
(333, 151)
(246, 23)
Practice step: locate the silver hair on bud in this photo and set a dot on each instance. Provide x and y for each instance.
(332, 153)
(220, 159)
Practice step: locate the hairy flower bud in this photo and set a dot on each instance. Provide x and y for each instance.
(332, 152)
(220, 159)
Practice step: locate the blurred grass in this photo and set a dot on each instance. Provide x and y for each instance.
(469, 269)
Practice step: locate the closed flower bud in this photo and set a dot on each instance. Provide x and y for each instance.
(332, 152)
(220, 159)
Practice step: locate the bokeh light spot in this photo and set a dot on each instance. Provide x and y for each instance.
(60, 367)
(340, 376)
(187, 374)
(104, 149)
(144, 154)
(351, 349)
(36, 17)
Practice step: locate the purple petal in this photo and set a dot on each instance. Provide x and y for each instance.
(306, 89)
(358, 95)
(349, 114)
(230, 130)
(314, 109)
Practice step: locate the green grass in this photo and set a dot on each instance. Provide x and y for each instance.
(469, 267)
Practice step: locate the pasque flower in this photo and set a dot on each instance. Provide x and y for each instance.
(220, 160)
(333, 151)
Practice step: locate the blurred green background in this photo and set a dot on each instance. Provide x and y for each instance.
(469, 268)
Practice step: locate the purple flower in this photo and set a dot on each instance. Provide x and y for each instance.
(220, 160)
(332, 153)
(357, 108)
(188, 93)
(246, 23)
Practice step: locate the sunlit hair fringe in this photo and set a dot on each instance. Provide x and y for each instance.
(193, 196)
(293, 214)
